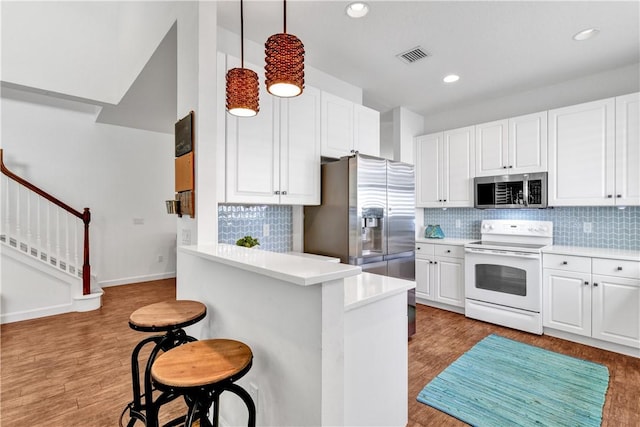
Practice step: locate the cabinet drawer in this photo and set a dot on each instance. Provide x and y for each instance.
(617, 268)
(449, 250)
(424, 250)
(567, 262)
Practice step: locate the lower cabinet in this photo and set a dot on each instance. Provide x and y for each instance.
(440, 273)
(593, 297)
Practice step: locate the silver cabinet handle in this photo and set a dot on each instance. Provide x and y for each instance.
(284, 193)
(276, 192)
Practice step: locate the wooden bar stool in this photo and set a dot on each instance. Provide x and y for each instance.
(200, 371)
(169, 317)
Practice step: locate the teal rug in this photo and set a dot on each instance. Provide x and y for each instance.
(501, 382)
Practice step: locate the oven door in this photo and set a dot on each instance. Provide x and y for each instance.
(508, 278)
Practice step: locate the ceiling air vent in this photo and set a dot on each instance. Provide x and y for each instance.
(413, 55)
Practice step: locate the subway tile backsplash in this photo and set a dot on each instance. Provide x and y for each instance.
(610, 227)
(237, 221)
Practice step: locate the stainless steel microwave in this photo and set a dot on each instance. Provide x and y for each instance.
(527, 190)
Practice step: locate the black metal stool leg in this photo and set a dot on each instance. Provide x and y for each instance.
(246, 398)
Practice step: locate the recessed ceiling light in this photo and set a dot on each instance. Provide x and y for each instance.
(357, 9)
(451, 78)
(586, 34)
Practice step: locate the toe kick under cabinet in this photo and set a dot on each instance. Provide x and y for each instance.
(592, 297)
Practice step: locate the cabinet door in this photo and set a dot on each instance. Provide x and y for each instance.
(429, 170)
(337, 126)
(581, 154)
(492, 148)
(628, 150)
(616, 310)
(458, 167)
(528, 143)
(300, 149)
(424, 279)
(566, 302)
(449, 281)
(366, 127)
(252, 150)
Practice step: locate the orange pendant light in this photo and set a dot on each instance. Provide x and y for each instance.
(284, 68)
(243, 87)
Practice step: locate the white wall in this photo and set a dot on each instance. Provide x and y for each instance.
(88, 50)
(119, 173)
(406, 126)
(607, 84)
(197, 79)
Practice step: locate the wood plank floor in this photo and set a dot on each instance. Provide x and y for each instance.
(74, 369)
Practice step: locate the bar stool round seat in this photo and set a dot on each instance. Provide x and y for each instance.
(200, 371)
(169, 317)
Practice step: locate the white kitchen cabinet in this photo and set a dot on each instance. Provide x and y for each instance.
(274, 157)
(366, 128)
(582, 154)
(567, 301)
(515, 145)
(348, 127)
(440, 273)
(627, 185)
(593, 297)
(445, 167)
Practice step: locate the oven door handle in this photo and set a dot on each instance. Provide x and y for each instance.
(526, 255)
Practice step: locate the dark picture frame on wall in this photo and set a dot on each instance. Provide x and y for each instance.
(184, 135)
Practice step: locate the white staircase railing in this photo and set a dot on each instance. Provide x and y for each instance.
(38, 224)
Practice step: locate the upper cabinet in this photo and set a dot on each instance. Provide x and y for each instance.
(445, 167)
(628, 149)
(347, 127)
(515, 145)
(274, 157)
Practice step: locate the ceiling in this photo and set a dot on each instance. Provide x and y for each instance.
(496, 47)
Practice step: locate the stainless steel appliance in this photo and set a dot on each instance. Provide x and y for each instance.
(503, 273)
(367, 217)
(511, 191)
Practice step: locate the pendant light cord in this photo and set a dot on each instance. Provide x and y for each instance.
(285, 16)
(241, 36)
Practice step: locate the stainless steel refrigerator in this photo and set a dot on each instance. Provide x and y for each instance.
(367, 217)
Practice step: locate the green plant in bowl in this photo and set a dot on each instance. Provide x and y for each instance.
(247, 242)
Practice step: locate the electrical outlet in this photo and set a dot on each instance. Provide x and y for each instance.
(160, 258)
(138, 221)
(265, 230)
(586, 227)
(458, 223)
(186, 237)
(253, 392)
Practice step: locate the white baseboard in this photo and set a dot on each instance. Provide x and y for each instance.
(36, 313)
(137, 279)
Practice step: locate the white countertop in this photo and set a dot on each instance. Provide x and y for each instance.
(314, 256)
(445, 241)
(300, 270)
(631, 255)
(366, 288)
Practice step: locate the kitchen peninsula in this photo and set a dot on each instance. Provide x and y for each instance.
(329, 342)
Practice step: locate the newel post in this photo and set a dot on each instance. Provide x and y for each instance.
(86, 268)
